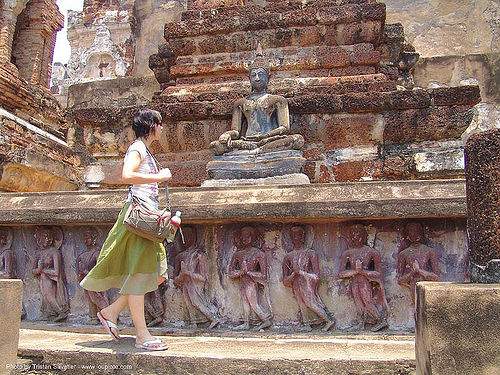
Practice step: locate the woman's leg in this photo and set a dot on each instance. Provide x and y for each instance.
(136, 306)
(112, 311)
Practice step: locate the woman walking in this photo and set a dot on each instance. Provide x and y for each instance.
(130, 263)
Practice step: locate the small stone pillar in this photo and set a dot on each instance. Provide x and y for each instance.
(11, 295)
(482, 169)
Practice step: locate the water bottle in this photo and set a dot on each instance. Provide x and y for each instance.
(173, 226)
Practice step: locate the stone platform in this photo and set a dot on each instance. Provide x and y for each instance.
(223, 354)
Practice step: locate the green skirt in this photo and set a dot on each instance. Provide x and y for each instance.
(127, 262)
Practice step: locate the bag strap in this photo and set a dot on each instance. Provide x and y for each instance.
(168, 208)
(159, 166)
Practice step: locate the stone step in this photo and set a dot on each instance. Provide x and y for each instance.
(78, 353)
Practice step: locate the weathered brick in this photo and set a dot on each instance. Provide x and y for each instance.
(325, 174)
(433, 123)
(461, 95)
(355, 170)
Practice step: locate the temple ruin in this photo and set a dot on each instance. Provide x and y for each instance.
(383, 154)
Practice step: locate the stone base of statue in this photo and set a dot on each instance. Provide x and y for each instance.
(248, 167)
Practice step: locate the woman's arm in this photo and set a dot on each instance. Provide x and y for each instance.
(131, 176)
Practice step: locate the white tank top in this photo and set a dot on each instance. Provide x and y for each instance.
(147, 192)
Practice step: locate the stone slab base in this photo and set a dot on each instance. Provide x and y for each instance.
(457, 329)
(11, 294)
(288, 179)
(321, 355)
(249, 164)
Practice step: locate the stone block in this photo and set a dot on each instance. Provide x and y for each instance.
(11, 295)
(340, 130)
(357, 170)
(457, 329)
(246, 164)
(434, 123)
(461, 95)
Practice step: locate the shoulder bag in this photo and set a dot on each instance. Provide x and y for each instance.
(147, 221)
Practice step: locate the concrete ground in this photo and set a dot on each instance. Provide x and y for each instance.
(56, 351)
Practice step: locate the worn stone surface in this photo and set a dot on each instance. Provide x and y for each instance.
(318, 201)
(426, 124)
(457, 329)
(244, 164)
(274, 15)
(441, 28)
(456, 70)
(483, 199)
(121, 92)
(361, 355)
(286, 179)
(11, 296)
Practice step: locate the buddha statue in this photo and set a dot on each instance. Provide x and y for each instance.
(261, 121)
(259, 148)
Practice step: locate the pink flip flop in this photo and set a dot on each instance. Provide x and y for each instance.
(109, 326)
(149, 345)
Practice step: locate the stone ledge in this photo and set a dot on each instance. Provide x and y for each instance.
(316, 202)
(221, 355)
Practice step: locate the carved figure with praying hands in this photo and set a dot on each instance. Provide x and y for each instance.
(361, 265)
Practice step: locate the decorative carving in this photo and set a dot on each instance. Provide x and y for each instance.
(85, 262)
(7, 258)
(416, 261)
(361, 265)
(190, 276)
(50, 270)
(153, 308)
(301, 273)
(249, 266)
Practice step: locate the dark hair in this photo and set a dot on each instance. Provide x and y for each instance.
(145, 120)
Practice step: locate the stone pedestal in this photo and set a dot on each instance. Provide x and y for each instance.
(457, 330)
(482, 168)
(11, 294)
(248, 167)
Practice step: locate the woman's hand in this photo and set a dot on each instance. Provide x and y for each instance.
(164, 175)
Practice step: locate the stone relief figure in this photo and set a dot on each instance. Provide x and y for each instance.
(361, 265)
(260, 122)
(249, 266)
(416, 261)
(153, 307)
(190, 276)
(84, 263)
(301, 273)
(7, 258)
(49, 268)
